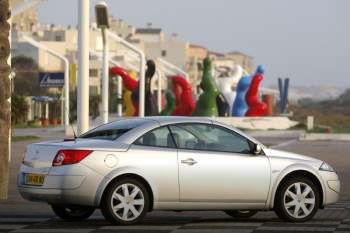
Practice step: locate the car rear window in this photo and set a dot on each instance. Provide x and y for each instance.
(114, 130)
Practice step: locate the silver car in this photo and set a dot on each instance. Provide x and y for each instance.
(133, 166)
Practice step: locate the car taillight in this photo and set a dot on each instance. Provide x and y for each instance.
(67, 157)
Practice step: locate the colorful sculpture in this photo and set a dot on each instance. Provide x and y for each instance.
(206, 104)
(133, 86)
(127, 98)
(223, 105)
(185, 104)
(129, 83)
(255, 106)
(283, 86)
(225, 85)
(240, 106)
(150, 98)
(170, 104)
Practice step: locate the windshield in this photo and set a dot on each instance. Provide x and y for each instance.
(114, 130)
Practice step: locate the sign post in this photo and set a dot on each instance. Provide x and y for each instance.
(48, 80)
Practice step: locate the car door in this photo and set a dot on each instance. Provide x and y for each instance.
(216, 165)
(155, 155)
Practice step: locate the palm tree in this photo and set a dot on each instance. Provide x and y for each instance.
(5, 93)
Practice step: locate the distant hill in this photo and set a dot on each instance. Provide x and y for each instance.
(344, 98)
(314, 93)
(333, 113)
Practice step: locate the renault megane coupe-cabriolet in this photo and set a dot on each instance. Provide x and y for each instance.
(133, 166)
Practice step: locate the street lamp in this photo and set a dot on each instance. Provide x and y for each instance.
(83, 66)
(142, 69)
(101, 12)
(173, 67)
(66, 76)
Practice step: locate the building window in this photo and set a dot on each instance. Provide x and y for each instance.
(93, 73)
(58, 38)
(93, 90)
(163, 53)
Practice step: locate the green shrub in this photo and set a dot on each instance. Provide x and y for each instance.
(19, 109)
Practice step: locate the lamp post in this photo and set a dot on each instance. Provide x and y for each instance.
(101, 12)
(83, 64)
(120, 81)
(142, 69)
(66, 76)
(174, 68)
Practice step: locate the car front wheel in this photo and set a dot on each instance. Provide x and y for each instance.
(73, 213)
(125, 202)
(297, 200)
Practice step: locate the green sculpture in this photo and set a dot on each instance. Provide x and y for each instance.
(206, 104)
(170, 104)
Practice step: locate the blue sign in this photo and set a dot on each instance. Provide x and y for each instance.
(51, 80)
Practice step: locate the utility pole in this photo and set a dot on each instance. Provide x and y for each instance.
(5, 98)
(83, 66)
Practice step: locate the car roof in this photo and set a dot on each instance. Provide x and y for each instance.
(144, 124)
(165, 120)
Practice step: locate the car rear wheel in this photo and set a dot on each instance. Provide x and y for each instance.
(297, 200)
(241, 213)
(125, 202)
(73, 213)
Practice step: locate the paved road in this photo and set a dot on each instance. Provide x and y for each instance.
(18, 215)
(329, 220)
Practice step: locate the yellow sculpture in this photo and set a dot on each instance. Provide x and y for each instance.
(130, 110)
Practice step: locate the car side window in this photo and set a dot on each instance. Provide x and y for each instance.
(160, 137)
(210, 138)
(184, 139)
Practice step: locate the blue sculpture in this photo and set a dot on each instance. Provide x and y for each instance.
(240, 106)
(260, 70)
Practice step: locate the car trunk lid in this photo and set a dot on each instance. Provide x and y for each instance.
(41, 155)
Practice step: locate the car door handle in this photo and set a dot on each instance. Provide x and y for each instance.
(189, 162)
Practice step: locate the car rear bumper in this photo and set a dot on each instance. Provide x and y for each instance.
(62, 186)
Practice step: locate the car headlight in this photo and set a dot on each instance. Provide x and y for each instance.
(326, 167)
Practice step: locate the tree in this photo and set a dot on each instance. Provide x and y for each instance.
(19, 109)
(5, 93)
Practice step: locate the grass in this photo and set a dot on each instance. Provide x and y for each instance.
(27, 126)
(327, 120)
(24, 138)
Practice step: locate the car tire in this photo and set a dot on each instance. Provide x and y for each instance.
(72, 213)
(297, 200)
(241, 213)
(125, 202)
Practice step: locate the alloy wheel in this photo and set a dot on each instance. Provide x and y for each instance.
(299, 200)
(127, 202)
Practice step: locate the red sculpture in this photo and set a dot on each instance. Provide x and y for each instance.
(133, 85)
(255, 106)
(129, 83)
(185, 104)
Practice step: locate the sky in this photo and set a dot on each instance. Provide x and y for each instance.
(306, 40)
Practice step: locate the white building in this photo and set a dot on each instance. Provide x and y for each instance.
(157, 45)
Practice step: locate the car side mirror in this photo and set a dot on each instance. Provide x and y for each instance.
(257, 149)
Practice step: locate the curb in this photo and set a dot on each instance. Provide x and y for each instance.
(324, 137)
